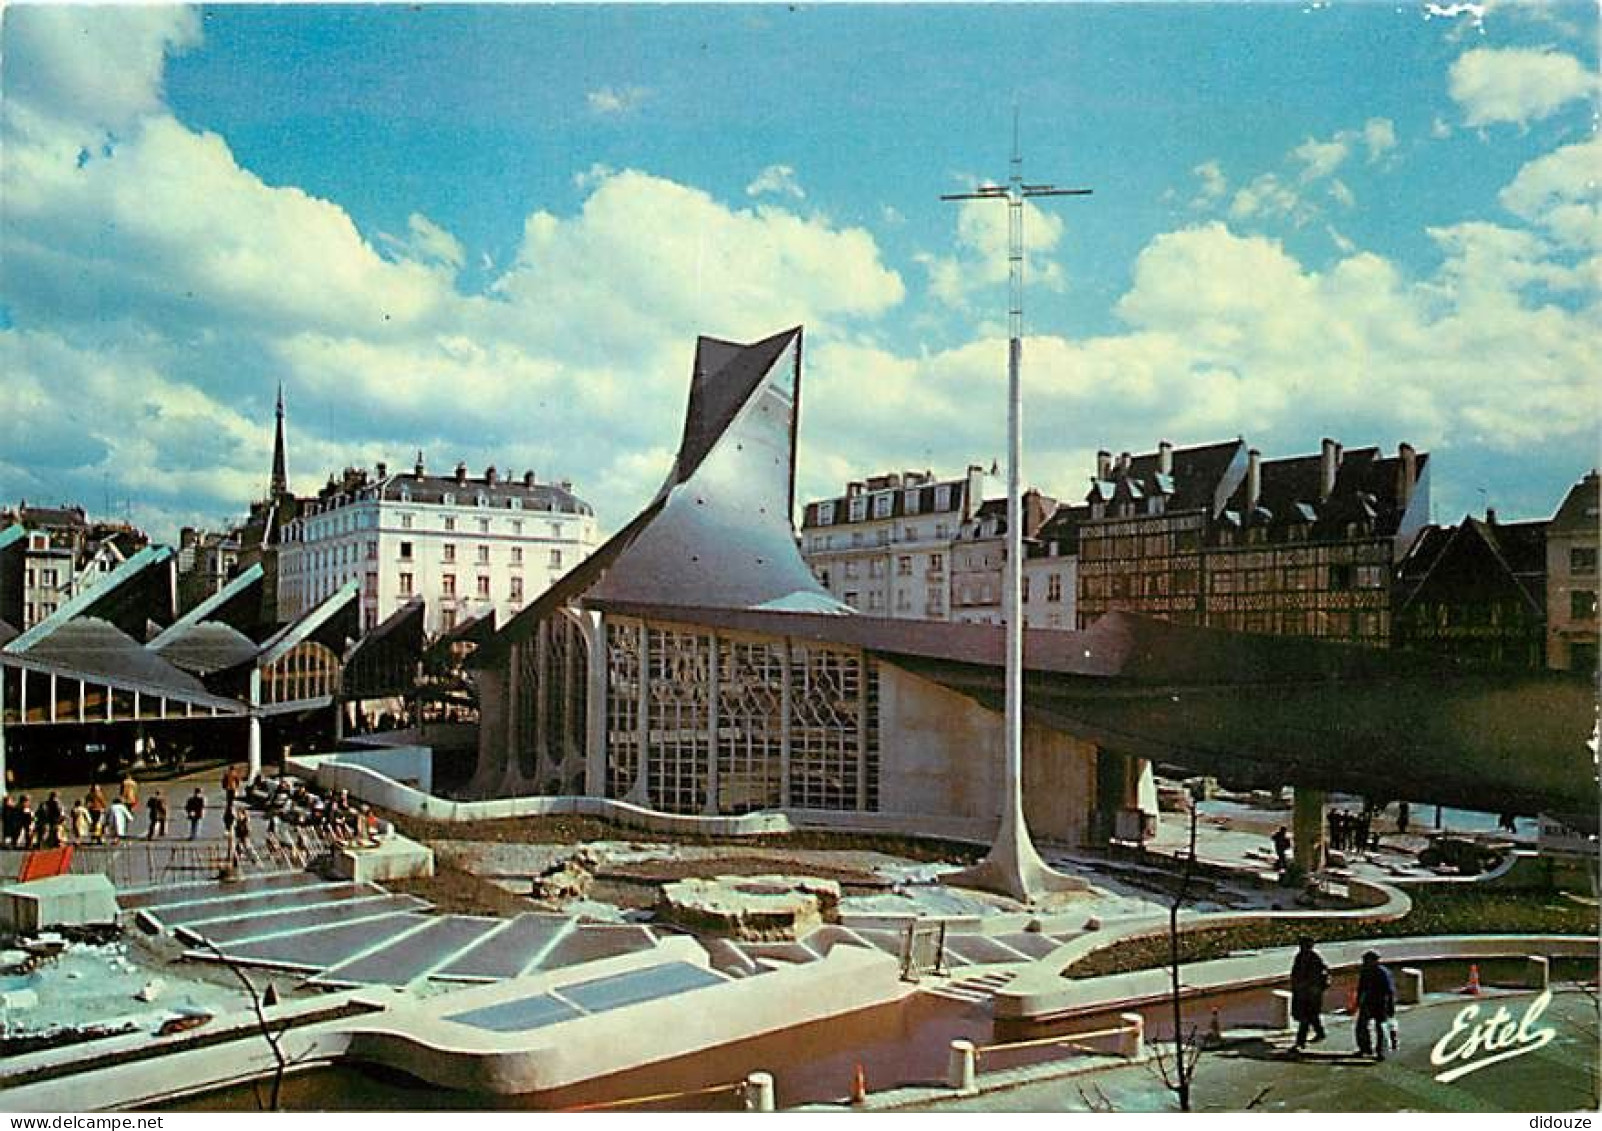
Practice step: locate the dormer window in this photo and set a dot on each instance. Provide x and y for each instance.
(449, 500)
(405, 494)
(483, 500)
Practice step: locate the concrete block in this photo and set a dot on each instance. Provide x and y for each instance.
(58, 901)
(960, 1070)
(759, 1091)
(1538, 973)
(393, 859)
(1279, 1010)
(1410, 986)
(1132, 1041)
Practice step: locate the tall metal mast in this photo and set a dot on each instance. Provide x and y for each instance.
(1013, 866)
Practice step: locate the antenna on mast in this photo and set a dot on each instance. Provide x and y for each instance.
(1013, 866)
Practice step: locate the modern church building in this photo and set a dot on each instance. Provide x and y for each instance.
(694, 665)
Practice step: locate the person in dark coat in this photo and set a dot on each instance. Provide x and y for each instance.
(1376, 1004)
(1309, 978)
(195, 810)
(1282, 847)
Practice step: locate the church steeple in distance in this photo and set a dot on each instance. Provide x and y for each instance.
(280, 483)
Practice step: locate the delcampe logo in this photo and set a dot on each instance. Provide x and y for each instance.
(1472, 1044)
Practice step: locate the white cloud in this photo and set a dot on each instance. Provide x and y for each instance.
(1379, 137)
(427, 243)
(99, 67)
(1515, 84)
(1214, 185)
(1267, 197)
(983, 241)
(616, 99)
(779, 180)
(1558, 192)
(1440, 128)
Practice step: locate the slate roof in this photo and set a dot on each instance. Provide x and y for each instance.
(1195, 478)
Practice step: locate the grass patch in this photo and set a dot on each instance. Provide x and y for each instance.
(1438, 909)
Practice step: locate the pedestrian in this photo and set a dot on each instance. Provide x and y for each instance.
(24, 835)
(1364, 823)
(96, 803)
(80, 821)
(1507, 823)
(121, 818)
(157, 807)
(240, 846)
(129, 794)
(1376, 1004)
(1402, 817)
(230, 815)
(54, 819)
(1282, 847)
(195, 810)
(1309, 978)
(8, 820)
(230, 787)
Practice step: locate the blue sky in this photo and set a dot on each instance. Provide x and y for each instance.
(492, 233)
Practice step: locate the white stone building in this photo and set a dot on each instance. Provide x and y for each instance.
(467, 545)
(884, 547)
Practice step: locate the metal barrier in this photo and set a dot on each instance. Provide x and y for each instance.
(742, 1087)
(1131, 1036)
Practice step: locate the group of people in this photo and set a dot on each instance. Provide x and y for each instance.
(1352, 832)
(91, 819)
(1377, 1031)
(332, 813)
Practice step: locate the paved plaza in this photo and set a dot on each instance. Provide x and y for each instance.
(1261, 1071)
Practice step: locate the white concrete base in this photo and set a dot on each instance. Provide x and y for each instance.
(394, 859)
(58, 901)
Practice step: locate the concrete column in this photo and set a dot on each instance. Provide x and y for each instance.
(640, 792)
(759, 1091)
(1307, 829)
(784, 729)
(1279, 1009)
(595, 708)
(960, 1071)
(1410, 986)
(714, 684)
(1132, 1042)
(1538, 973)
(253, 743)
(5, 782)
(862, 731)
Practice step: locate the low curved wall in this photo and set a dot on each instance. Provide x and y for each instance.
(357, 772)
(1048, 996)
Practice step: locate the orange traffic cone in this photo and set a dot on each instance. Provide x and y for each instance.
(1473, 986)
(859, 1086)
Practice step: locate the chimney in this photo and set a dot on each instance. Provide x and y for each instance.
(417, 469)
(528, 479)
(1103, 465)
(1254, 479)
(1490, 516)
(975, 495)
(461, 472)
(1406, 474)
(1165, 458)
(1123, 463)
(854, 488)
(489, 475)
(1329, 462)
(383, 469)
